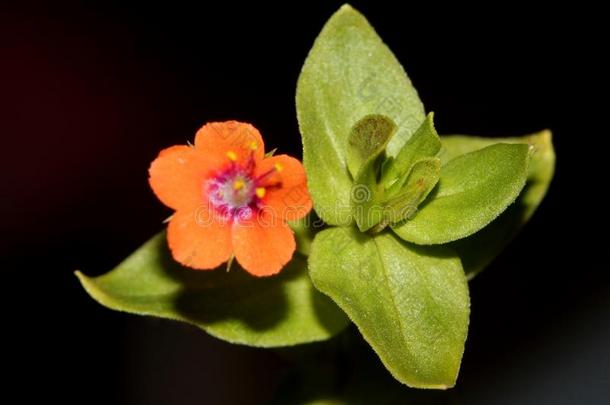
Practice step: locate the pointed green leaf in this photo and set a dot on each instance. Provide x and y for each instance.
(303, 233)
(385, 166)
(349, 73)
(276, 311)
(473, 190)
(499, 233)
(366, 145)
(425, 142)
(367, 201)
(407, 194)
(367, 140)
(271, 152)
(409, 302)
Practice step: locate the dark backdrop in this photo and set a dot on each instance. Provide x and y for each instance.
(91, 91)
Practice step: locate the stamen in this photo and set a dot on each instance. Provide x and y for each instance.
(238, 184)
(276, 169)
(232, 156)
(260, 192)
(251, 163)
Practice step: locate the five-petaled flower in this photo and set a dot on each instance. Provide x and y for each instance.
(230, 199)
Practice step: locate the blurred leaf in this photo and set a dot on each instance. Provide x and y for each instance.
(274, 311)
(409, 302)
(366, 145)
(500, 232)
(305, 230)
(349, 73)
(473, 190)
(344, 370)
(367, 141)
(424, 143)
(407, 194)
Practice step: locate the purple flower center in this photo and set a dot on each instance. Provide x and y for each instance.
(233, 193)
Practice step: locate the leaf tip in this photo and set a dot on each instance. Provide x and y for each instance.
(542, 140)
(430, 117)
(86, 282)
(94, 291)
(546, 134)
(346, 8)
(80, 276)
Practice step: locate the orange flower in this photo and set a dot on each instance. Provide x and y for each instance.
(230, 199)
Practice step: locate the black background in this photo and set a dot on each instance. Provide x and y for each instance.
(90, 92)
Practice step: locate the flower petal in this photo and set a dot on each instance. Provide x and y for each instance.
(199, 239)
(263, 244)
(177, 175)
(291, 200)
(242, 140)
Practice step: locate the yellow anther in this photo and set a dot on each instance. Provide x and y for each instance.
(260, 192)
(278, 167)
(232, 155)
(253, 146)
(238, 184)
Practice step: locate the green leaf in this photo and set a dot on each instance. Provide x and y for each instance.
(425, 142)
(473, 190)
(271, 153)
(267, 312)
(503, 229)
(386, 165)
(304, 232)
(349, 73)
(366, 144)
(408, 193)
(409, 302)
(367, 141)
